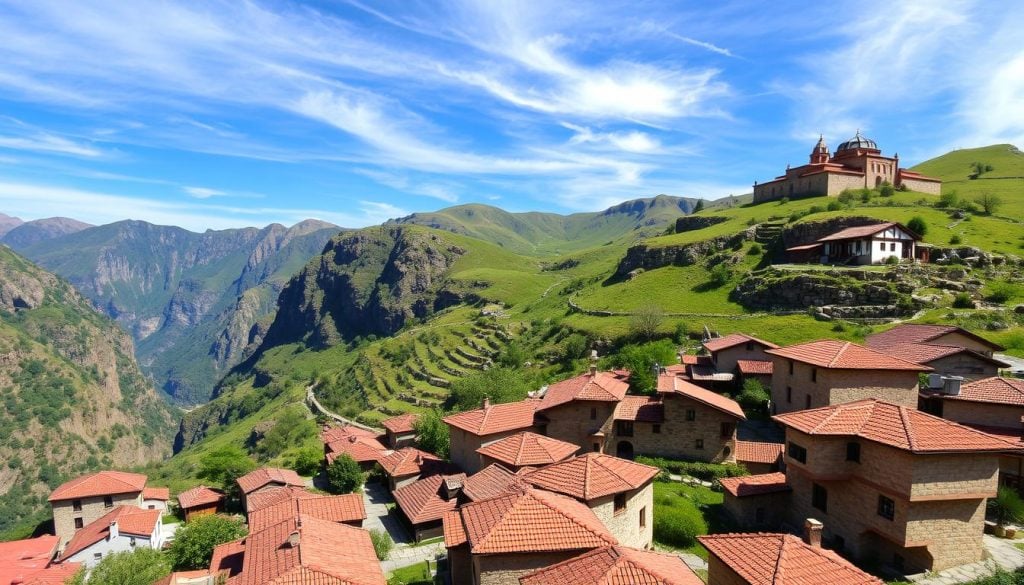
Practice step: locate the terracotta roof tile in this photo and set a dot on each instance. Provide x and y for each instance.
(227, 557)
(783, 559)
(758, 452)
(591, 476)
(915, 333)
(496, 418)
(672, 385)
(156, 493)
(527, 448)
(341, 508)
(862, 231)
(490, 481)
(200, 496)
(995, 390)
(274, 496)
(755, 367)
(734, 339)
(329, 434)
(401, 424)
(616, 565)
(925, 353)
(893, 425)
(102, 483)
(21, 559)
(601, 387)
(709, 373)
(254, 480)
(454, 531)
(426, 500)
(53, 575)
(532, 521)
(755, 485)
(185, 578)
(412, 461)
(640, 409)
(325, 554)
(361, 448)
(843, 355)
(130, 520)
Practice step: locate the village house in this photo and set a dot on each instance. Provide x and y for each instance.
(498, 540)
(340, 509)
(857, 164)
(410, 464)
(201, 501)
(726, 352)
(424, 503)
(619, 492)
(80, 501)
(266, 479)
(861, 245)
(299, 549)
(614, 565)
(363, 446)
(525, 449)
(828, 372)
(758, 370)
(30, 561)
(491, 481)
(155, 498)
(580, 410)
(699, 425)
(891, 483)
(758, 456)
(779, 559)
(474, 429)
(993, 405)
(123, 529)
(400, 431)
(948, 350)
(757, 502)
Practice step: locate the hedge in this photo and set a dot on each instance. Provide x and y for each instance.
(710, 472)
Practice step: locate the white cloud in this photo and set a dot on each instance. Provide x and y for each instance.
(702, 44)
(202, 192)
(43, 142)
(632, 141)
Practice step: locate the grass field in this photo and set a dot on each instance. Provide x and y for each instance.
(690, 500)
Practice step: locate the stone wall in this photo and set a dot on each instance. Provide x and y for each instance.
(678, 437)
(625, 526)
(725, 360)
(826, 386)
(967, 365)
(92, 509)
(982, 413)
(930, 187)
(464, 445)
(689, 223)
(505, 569)
(720, 573)
(774, 289)
(745, 511)
(573, 423)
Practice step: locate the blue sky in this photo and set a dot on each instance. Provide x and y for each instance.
(220, 114)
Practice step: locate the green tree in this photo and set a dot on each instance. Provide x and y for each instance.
(918, 225)
(645, 321)
(344, 476)
(291, 428)
(574, 347)
(720, 275)
(754, 395)
(194, 542)
(224, 466)
(1007, 506)
(640, 359)
(307, 461)
(432, 433)
(500, 384)
(699, 206)
(142, 566)
(513, 356)
(989, 203)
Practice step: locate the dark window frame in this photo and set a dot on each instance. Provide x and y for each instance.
(796, 452)
(624, 428)
(853, 451)
(819, 497)
(619, 504)
(698, 444)
(691, 414)
(886, 507)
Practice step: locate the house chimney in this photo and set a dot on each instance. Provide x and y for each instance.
(812, 532)
(486, 402)
(593, 370)
(114, 532)
(293, 539)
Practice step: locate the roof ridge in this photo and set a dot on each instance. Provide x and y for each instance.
(838, 354)
(905, 420)
(777, 577)
(571, 518)
(613, 472)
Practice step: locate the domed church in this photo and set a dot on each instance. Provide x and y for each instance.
(857, 163)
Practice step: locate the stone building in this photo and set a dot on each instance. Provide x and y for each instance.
(940, 335)
(759, 456)
(122, 529)
(857, 164)
(619, 492)
(400, 430)
(948, 350)
(293, 502)
(267, 479)
(861, 245)
(85, 499)
(757, 502)
(526, 449)
(580, 410)
(473, 429)
(726, 352)
(363, 446)
(699, 425)
(828, 372)
(410, 464)
(891, 483)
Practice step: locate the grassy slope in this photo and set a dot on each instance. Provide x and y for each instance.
(1006, 179)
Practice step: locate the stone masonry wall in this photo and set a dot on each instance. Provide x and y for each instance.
(572, 423)
(625, 526)
(92, 509)
(678, 436)
(505, 569)
(980, 413)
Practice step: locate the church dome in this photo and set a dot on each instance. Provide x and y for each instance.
(856, 142)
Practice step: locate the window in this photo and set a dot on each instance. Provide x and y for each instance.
(819, 498)
(814, 374)
(881, 246)
(892, 247)
(727, 429)
(691, 414)
(76, 505)
(619, 503)
(97, 556)
(131, 542)
(886, 507)
(656, 429)
(643, 517)
(807, 401)
(593, 414)
(624, 428)
(152, 507)
(790, 367)
(108, 502)
(78, 523)
(789, 394)
(699, 444)
(798, 453)
(853, 451)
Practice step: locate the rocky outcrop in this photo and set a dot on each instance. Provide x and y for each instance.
(689, 223)
(775, 289)
(647, 258)
(807, 232)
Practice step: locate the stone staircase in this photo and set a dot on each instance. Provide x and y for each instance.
(768, 232)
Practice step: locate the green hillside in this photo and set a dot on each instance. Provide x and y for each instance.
(1005, 179)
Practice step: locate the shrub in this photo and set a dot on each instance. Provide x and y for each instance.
(1001, 292)
(382, 543)
(955, 240)
(679, 526)
(754, 395)
(720, 275)
(963, 301)
(681, 333)
(886, 190)
(989, 203)
(892, 260)
(918, 225)
(307, 461)
(948, 200)
(645, 321)
(639, 359)
(432, 433)
(344, 476)
(834, 205)
(754, 250)
(141, 566)
(815, 209)
(194, 542)
(784, 201)
(710, 472)
(846, 197)
(500, 384)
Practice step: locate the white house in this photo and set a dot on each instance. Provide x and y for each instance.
(125, 528)
(155, 498)
(868, 244)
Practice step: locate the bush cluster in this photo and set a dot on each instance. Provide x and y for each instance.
(679, 526)
(711, 472)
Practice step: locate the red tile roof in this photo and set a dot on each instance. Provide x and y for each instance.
(227, 557)
(52, 575)
(130, 520)
(914, 333)
(200, 496)
(528, 520)
(640, 409)
(329, 434)
(254, 480)
(495, 418)
(925, 353)
(185, 578)
(102, 483)
(783, 559)
(401, 424)
(734, 339)
(671, 385)
(361, 448)
(156, 493)
(893, 425)
(345, 508)
(755, 367)
(325, 554)
(591, 476)
(274, 496)
(454, 531)
(489, 482)
(600, 387)
(616, 565)
(21, 559)
(425, 500)
(995, 390)
(527, 448)
(860, 231)
(757, 452)
(409, 461)
(843, 355)
(755, 485)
